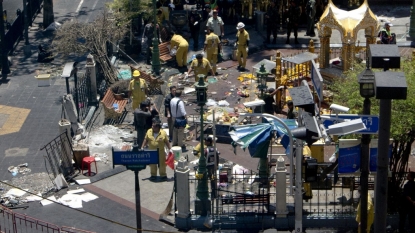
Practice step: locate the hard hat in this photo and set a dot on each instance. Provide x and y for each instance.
(136, 73)
(388, 24)
(240, 25)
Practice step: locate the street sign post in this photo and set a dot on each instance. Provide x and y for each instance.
(371, 121)
(135, 160)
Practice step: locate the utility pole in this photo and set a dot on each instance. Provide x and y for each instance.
(4, 60)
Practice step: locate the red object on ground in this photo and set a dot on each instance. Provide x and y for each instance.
(88, 161)
(170, 160)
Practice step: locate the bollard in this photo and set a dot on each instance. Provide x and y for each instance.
(280, 189)
(182, 187)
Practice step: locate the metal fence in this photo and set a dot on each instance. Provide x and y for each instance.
(15, 30)
(246, 194)
(11, 222)
(59, 155)
(81, 94)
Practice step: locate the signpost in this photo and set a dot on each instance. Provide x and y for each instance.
(371, 121)
(135, 160)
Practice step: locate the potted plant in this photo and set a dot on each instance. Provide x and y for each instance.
(120, 89)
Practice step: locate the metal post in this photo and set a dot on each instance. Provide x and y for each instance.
(67, 85)
(298, 197)
(76, 93)
(381, 183)
(27, 50)
(155, 64)
(202, 186)
(137, 202)
(364, 171)
(137, 193)
(4, 60)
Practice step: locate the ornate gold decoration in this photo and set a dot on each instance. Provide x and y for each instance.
(348, 23)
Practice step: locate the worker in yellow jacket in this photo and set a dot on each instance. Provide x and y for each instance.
(200, 65)
(181, 46)
(212, 48)
(370, 213)
(137, 89)
(242, 44)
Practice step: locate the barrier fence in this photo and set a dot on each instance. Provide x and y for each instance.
(11, 222)
(15, 30)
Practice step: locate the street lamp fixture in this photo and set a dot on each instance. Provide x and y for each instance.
(262, 76)
(202, 192)
(367, 83)
(201, 91)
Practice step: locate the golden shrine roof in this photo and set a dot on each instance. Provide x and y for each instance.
(348, 21)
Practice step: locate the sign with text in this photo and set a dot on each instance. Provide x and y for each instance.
(141, 157)
(371, 121)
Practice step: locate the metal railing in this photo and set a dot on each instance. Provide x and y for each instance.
(246, 194)
(15, 32)
(16, 223)
(81, 92)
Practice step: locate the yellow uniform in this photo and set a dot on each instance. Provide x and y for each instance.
(157, 142)
(138, 91)
(198, 147)
(166, 12)
(370, 213)
(182, 48)
(242, 37)
(200, 68)
(212, 43)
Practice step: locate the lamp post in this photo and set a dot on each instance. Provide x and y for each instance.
(262, 75)
(202, 192)
(367, 90)
(155, 64)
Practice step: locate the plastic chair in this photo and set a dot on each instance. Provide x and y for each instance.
(88, 161)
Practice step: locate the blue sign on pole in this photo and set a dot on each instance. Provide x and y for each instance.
(371, 121)
(349, 155)
(141, 157)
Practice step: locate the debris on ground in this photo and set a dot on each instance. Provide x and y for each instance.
(21, 168)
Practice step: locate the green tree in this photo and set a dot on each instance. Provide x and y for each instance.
(131, 8)
(346, 92)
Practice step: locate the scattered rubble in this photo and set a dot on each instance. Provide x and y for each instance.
(21, 168)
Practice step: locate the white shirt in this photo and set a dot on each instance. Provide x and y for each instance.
(181, 112)
(215, 24)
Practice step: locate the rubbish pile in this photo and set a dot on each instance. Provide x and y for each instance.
(11, 197)
(21, 168)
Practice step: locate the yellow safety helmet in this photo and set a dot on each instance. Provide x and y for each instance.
(136, 73)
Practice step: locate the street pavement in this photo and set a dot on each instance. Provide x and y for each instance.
(29, 118)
